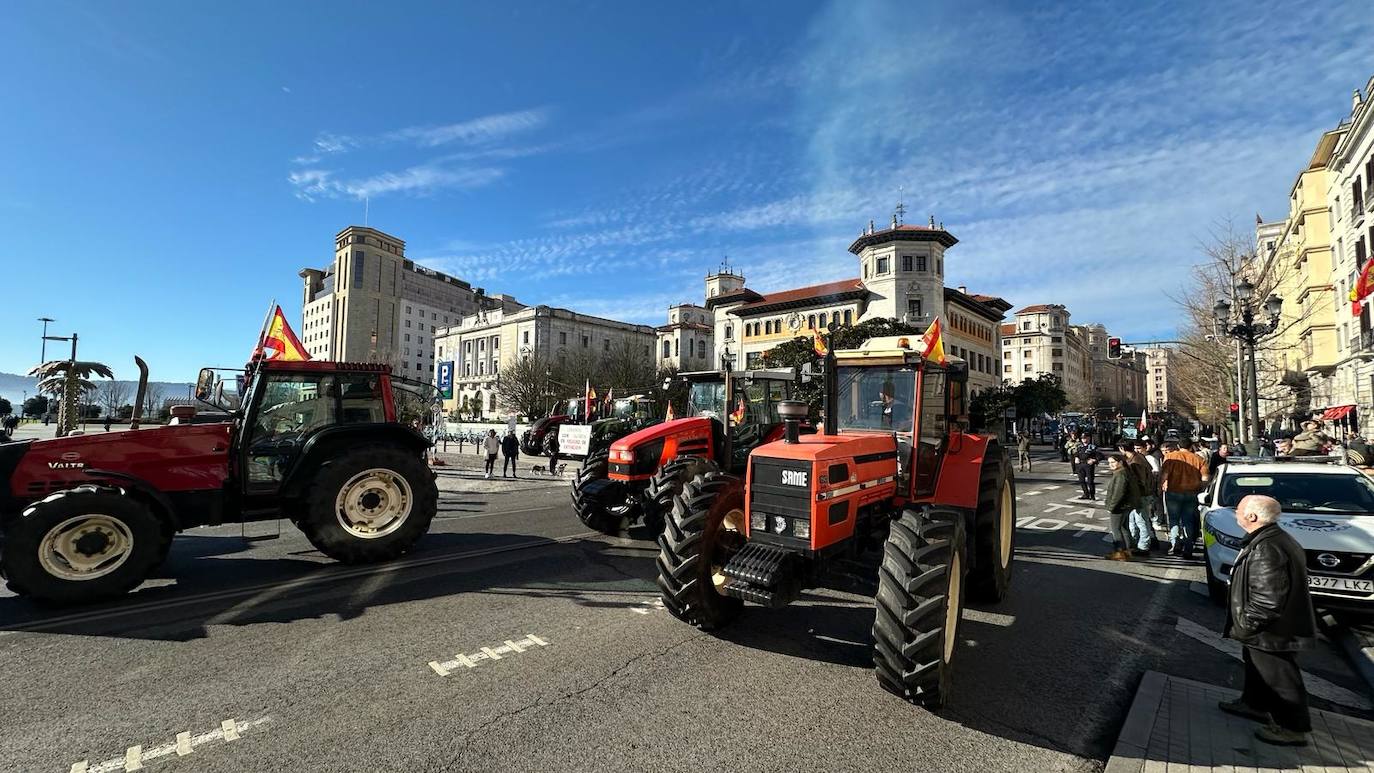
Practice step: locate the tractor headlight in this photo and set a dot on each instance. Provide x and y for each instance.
(801, 529)
(779, 524)
(758, 521)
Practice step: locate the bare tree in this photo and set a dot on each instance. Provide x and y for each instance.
(624, 369)
(523, 386)
(112, 396)
(152, 402)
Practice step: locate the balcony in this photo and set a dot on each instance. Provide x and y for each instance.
(1362, 341)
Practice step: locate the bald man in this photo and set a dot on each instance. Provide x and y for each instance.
(1270, 612)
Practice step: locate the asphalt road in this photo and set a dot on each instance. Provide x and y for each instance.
(329, 667)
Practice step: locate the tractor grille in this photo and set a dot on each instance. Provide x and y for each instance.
(781, 487)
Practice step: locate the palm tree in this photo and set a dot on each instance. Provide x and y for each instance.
(67, 380)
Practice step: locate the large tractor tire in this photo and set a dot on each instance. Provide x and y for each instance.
(994, 540)
(597, 513)
(83, 545)
(919, 602)
(369, 504)
(704, 528)
(668, 483)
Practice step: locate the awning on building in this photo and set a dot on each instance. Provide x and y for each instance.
(1337, 413)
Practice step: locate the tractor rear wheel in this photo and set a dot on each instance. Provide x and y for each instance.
(919, 602)
(994, 539)
(593, 510)
(704, 528)
(369, 504)
(667, 483)
(82, 545)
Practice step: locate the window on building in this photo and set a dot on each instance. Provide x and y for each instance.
(883, 265)
(526, 338)
(433, 316)
(940, 266)
(865, 270)
(1026, 353)
(1056, 352)
(834, 318)
(1028, 368)
(407, 336)
(1006, 355)
(1056, 366)
(921, 264)
(606, 345)
(913, 306)
(906, 262)
(701, 350)
(358, 263)
(482, 368)
(729, 332)
(419, 339)
(810, 321)
(481, 344)
(586, 341)
(667, 348)
(1006, 368)
(407, 323)
(407, 309)
(848, 317)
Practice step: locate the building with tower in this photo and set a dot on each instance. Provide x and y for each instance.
(901, 272)
(373, 304)
(687, 342)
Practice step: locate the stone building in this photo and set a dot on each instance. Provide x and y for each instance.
(479, 346)
(1041, 340)
(687, 342)
(372, 304)
(1351, 180)
(1162, 391)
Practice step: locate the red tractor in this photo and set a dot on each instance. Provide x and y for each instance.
(638, 476)
(328, 445)
(893, 479)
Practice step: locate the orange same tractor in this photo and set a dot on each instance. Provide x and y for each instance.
(893, 472)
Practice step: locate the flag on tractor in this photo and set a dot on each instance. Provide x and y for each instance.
(1363, 286)
(278, 342)
(738, 416)
(818, 343)
(591, 395)
(1142, 426)
(669, 415)
(934, 344)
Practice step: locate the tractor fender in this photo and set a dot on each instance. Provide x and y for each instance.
(322, 446)
(142, 490)
(960, 473)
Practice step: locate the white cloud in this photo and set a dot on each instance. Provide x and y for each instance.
(485, 129)
(421, 180)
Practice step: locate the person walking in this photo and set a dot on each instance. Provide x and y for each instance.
(1023, 452)
(1142, 534)
(1070, 449)
(1147, 451)
(1085, 459)
(491, 445)
(1123, 495)
(510, 454)
(553, 454)
(1269, 611)
(1183, 475)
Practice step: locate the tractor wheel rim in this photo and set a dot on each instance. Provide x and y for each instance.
(956, 579)
(731, 522)
(1006, 525)
(373, 503)
(85, 547)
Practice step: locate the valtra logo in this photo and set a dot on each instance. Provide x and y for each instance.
(71, 460)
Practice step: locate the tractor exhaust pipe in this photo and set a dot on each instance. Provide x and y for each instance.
(142, 390)
(792, 412)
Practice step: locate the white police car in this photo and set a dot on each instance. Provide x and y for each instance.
(1327, 508)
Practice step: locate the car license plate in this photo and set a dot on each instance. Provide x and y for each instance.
(1340, 583)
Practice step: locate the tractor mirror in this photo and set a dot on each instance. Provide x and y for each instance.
(205, 383)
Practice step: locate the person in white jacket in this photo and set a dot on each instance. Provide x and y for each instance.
(492, 446)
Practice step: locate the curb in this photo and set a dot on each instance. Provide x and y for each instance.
(1360, 649)
(1128, 756)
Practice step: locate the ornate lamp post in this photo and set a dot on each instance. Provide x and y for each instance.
(1238, 322)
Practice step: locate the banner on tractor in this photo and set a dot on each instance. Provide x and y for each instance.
(446, 380)
(574, 439)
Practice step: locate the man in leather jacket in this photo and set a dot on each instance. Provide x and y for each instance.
(1270, 612)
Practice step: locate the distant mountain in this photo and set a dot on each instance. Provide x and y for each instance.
(13, 387)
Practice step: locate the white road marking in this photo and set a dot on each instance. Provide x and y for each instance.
(328, 573)
(486, 653)
(990, 618)
(1050, 488)
(1052, 506)
(1315, 684)
(1047, 524)
(1084, 528)
(135, 757)
(647, 606)
(1032, 493)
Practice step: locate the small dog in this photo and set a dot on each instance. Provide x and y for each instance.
(542, 469)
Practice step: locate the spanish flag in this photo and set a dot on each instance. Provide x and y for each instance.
(738, 416)
(934, 345)
(818, 343)
(1363, 286)
(279, 342)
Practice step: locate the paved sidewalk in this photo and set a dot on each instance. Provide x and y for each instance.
(1174, 725)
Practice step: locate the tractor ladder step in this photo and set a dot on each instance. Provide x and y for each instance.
(763, 574)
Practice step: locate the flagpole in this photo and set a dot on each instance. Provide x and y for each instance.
(262, 332)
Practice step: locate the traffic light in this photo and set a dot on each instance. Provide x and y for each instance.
(1235, 411)
(1113, 348)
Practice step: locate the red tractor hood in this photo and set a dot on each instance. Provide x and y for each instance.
(677, 427)
(180, 457)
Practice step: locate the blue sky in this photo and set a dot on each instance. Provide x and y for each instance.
(169, 167)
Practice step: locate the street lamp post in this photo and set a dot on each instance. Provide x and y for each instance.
(1239, 323)
(43, 357)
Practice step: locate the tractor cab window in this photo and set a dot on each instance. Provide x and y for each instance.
(360, 398)
(706, 399)
(933, 431)
(416, 402)
(293, 405)
(876, 398)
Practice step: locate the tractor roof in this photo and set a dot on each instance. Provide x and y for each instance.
(775, 374)
(329, 365)
(884, 348)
